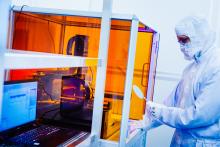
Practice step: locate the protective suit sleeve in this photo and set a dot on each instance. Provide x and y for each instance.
(154, 124)
(150, 123)
(204, 112)
(170, 100)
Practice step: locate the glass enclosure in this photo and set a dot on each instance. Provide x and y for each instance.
(144, 72)
(67, 94)
(115, 78)
(116, 74)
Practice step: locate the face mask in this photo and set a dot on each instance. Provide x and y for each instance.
(188, 50)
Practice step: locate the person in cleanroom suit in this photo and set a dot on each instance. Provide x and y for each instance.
(193, 108)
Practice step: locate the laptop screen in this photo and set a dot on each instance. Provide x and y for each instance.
(19, 104)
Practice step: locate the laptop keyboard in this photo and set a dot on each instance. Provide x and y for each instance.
(32, 136)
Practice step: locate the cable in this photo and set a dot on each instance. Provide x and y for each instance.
(41, 86)
(51, 37)
(63, 32)
(53, 42)
(15, 22)
(22, 7)
(27, 22)
(42, 116)
(17, 19)
(54, 116)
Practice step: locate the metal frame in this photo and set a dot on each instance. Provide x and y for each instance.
(56, 11)
(107, 143)
(24, 59)
(32, 60)
(128, 82)
(137, 139)
(4, 19)
(101, 72)
(70, 12)
(152, 72)
(10, 38)
(1, 80)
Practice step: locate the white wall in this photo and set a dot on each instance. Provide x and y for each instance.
(162, 15)
(215, 18)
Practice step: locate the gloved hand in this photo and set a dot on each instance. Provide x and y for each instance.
(151, 119)
(154, 109)
(144, 124)
(147, 123)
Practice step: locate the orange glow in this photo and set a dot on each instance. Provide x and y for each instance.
(115, 78)
(51, 34)
(72, 98)
(141, 71)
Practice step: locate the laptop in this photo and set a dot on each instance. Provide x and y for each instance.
(18, 123)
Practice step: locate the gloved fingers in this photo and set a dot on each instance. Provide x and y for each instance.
(141, 124)
(150, 107)
(154, 109)
(151, 112)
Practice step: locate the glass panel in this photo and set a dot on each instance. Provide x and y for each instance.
(62, 97)
(68, 92)
(120, 24)
(115, 79)
(144, 28)
(71, 35)
(141, 77)
(141, 72)
(141, 25)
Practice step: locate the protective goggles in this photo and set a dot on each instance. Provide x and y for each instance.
(183, 39)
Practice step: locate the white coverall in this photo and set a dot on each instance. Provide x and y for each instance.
(193, 108)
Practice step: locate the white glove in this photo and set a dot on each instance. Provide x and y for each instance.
(147, 122)
(154, 109)
(151, 119)
(144, 124)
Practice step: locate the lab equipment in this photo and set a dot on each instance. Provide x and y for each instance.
(76, 102)
(19, 125)
(59, 26)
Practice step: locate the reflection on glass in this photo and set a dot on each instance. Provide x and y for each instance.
(138, 92)
(116, 73)
(141, 72)
(141, 79)
(115, 79)
(70, 90)
(56, 34)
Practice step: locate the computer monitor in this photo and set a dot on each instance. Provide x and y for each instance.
(75, 102)
(72, 94)
(19, 104)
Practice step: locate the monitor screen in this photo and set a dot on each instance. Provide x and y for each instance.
(19, 104)
(72, 94)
